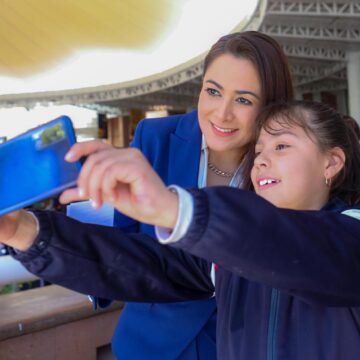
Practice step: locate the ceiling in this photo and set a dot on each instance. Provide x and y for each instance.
(51, 46)
(316, 35)
(36, 35)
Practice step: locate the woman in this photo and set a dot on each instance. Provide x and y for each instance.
(242, 72)
(288, 258)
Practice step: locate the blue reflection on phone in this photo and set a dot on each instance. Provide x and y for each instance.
(32, 165)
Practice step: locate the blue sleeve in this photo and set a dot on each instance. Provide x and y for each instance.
(110, 263)
(311, 254)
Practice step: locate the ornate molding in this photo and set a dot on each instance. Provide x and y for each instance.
(350, 8)
(313, 32)
(322, 86)
(314, 52)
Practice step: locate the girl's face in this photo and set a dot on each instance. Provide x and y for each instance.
(228, 104)
(289, 169)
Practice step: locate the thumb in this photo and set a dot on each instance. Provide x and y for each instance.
(79, 150)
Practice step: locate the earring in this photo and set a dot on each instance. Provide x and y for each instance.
(328, 182)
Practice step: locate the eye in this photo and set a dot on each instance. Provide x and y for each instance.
(281, 147)
(212, 92)
(244, 101)
(257, 153)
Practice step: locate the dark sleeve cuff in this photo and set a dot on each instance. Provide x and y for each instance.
(41, 242)
(199, 221)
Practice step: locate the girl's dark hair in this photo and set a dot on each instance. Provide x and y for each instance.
(328, 129)
(266, 55)
(351, 122)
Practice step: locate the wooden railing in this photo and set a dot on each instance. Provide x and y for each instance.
(53, 323)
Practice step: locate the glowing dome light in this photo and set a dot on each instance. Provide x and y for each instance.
(199, 24)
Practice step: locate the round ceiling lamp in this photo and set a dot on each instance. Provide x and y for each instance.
(53, 46)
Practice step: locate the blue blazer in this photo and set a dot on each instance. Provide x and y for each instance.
(168, 331)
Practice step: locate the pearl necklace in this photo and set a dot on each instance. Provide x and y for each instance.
(219, 172)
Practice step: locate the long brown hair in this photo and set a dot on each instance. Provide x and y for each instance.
(267, 57)
(328, 129)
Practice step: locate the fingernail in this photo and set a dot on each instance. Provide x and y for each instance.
(94, 204)
(81, 192)
(69, 155)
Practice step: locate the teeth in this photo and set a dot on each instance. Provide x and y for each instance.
(223, 130)
(266, 181)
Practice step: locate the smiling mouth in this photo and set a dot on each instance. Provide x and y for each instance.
(223, 131)
(265, 183)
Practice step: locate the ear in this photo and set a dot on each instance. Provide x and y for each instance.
(335, 162)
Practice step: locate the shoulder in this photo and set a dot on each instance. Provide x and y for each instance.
(157, 133)
(339, 206)
(168, 124)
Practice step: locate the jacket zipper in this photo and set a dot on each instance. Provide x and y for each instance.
(273, 325)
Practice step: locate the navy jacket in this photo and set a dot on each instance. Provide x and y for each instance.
(287, 284)
(172, 145)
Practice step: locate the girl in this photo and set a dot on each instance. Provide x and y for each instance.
(287, 258)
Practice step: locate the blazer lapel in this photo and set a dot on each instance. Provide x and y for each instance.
(184, 152)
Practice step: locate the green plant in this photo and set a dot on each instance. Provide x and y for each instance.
(12, 288)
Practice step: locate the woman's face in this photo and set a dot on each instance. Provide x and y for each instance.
(289, 169)
(229, 103)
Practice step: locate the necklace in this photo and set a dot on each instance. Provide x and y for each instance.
(219, 172)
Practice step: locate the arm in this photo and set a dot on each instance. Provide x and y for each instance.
(112, 264)
(311, 254)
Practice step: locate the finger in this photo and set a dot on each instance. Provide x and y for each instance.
(124, 156)
(131, 174)
(118, 194)
(132, 192)
(71, 195)
(110, 186)
(98, 173)
(78, 150)
(87, 169)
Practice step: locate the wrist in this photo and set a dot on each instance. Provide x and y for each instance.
(26, 232)
(171, 210)
(184, 217)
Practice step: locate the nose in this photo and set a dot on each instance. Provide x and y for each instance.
(226, 110)
(262, 160)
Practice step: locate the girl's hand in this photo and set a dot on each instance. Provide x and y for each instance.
(75, 153)
(124, 178)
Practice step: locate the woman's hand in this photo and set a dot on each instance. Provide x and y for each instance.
(124, 178)
(18, 230)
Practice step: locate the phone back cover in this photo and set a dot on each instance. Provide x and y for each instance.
(32, 165)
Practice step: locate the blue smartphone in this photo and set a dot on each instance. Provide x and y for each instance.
(32, 165)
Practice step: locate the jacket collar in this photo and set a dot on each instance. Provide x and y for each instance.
(188, 128)
(185, 151)
(335, 204)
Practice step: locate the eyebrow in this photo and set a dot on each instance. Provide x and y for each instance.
(240, 92)
(279, 133)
